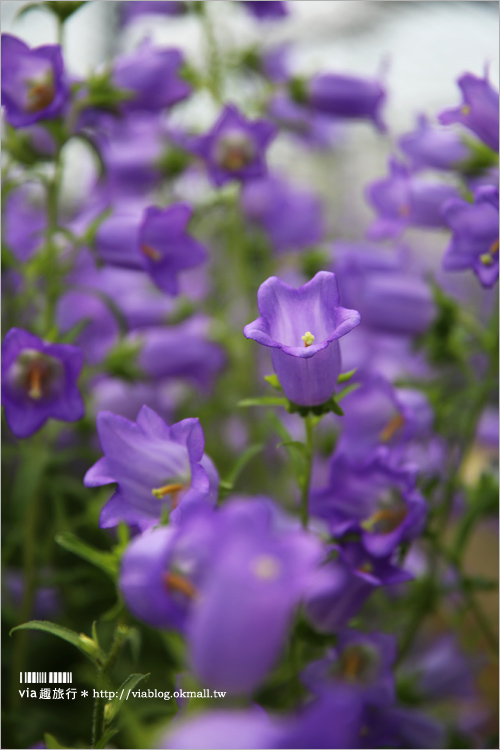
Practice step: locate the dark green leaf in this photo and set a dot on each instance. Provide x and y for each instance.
(106, 561)
(81, 641)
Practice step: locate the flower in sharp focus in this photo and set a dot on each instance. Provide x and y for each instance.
(155, 467)
(34, 85)
(302, 327)
(39, 382)
(478, 111)
(474, 243)
(235, 148)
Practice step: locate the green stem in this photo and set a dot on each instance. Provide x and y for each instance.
(306, 484)
(215, 79)
(98, 717)
(51, 265)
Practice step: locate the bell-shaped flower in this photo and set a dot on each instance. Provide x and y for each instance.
(478, 111)
(39, 382)
(302, 327)
(157, 468)
(34, 85)
(347, 97)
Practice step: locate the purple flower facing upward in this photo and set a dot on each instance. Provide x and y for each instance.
(302, 327)
(474, 243)
(157, 468)
(347, 97)
(235, 148)
(34, 86)
(155, 240)
(434, 148)
(39, 382)
(151, 76)
(291, 218)
(479, 109)
(403, 200)
(363, 661)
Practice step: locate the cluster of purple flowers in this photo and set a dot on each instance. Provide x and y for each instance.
(124, 314)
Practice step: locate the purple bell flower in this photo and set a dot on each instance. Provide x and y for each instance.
(429, 147)
(347, 97)
(374, 499)
(302, 327)
(341, 587)
(155, 467)
(291, 218)
(269, 10)
(235, 147)
(364, 661)
(479, 109)
(39, 382)
(474, 243)
(126, 399)
(152, 77)
(155, 240)
(224, 730)
(391, 297)
(311, 128)
(403, 200)
(34, 85)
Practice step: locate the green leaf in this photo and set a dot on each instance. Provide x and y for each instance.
(113, 707)
(298, 454)
(345, 391)
(345, 376)
(228, 483)
(263, 401)
(51, 743)
(81, 641)
(335, 408)
(106, 561)
(273, 382)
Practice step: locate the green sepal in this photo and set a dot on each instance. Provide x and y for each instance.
(273, 382)
(345, 376)
(263, 401)
(113, 707)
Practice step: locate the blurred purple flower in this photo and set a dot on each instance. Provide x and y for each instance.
(235, 147)
(312, 128)
(347, 97)
(25, 220)
(434, 148)
(474, 243)
(152, 77)
(155, 467)
(127, 398)
(268, 10)
(39, 382)
(403, 200)
(291, 217)
(46, 600)
(390, 296)
(479, 109)
(130, 9)
(302, 327)
(34, 85)
(371, 498)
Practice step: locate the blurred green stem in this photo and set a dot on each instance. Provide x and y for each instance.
(119, 640)
(306, 483)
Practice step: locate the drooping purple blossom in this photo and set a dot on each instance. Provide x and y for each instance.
(292, 218)
(391, 297)
(235, 147)
(34, 85)
(302, 327)
(347, 97)
(151, 75)
(403, 200)
(268, 10)
(478, 111)
(433, 147)
(157, 468)
(474, 243)
(39, 382)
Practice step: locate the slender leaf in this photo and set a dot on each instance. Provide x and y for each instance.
(115, 704)
(81, 641)
(263, 401)
(106, 561)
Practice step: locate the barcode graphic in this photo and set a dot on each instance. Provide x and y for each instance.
(41, 677)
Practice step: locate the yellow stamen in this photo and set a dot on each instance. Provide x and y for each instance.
(40, 95)
(150, 252)
(167, 489)
(390, 518)
(266, 567)
(177, 582)
(308, 338)
(351, 664)
(392, 426)
(367, 567)
(35, 381)
(465, 109)
(486, 259)
(494, 248)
